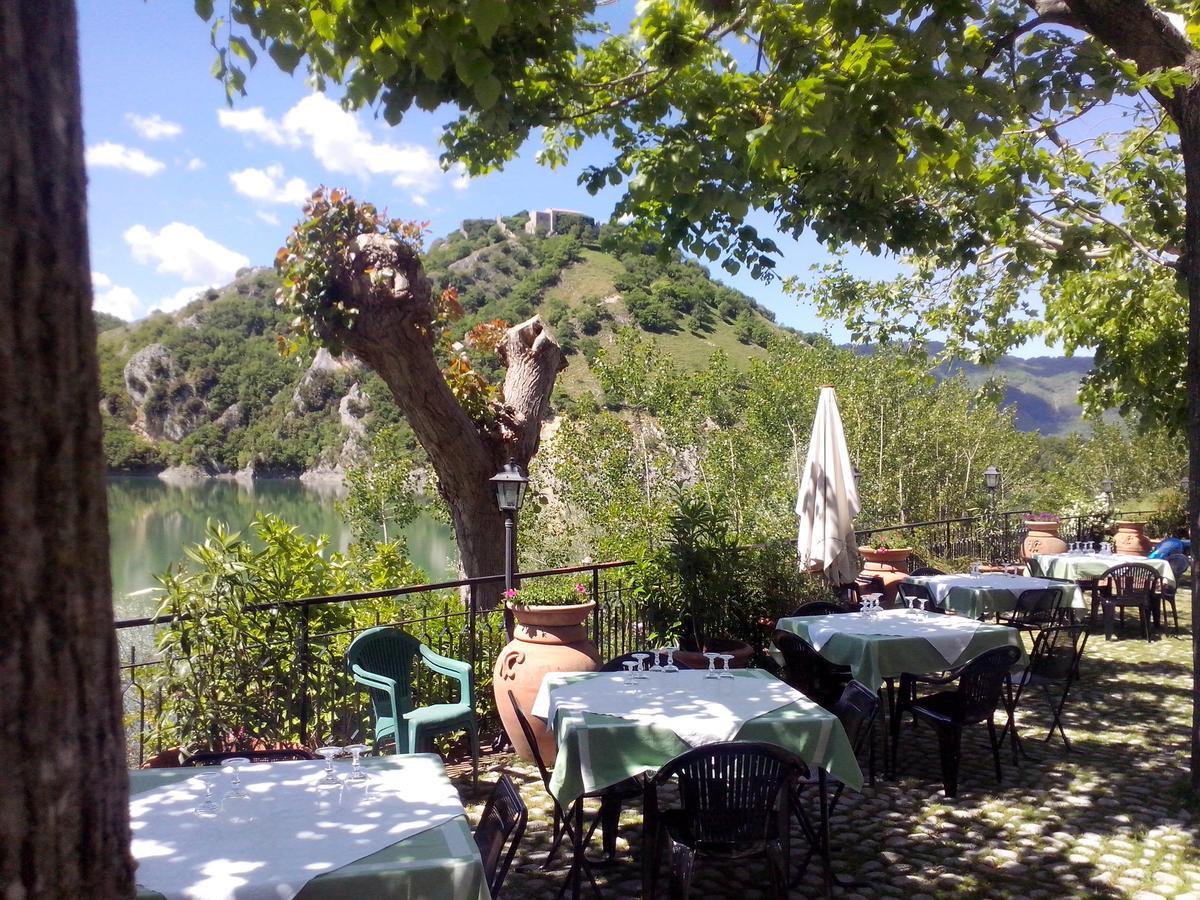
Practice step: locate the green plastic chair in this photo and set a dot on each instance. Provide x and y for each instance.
(381, 659)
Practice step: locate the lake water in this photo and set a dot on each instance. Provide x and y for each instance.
(150, 522)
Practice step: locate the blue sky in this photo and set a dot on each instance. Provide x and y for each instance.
(184, 190)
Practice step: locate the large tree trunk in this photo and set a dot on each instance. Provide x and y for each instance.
(64, 829)
(384, 282)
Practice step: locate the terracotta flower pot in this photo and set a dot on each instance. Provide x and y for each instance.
(742, 654)
(889, 566)
(1041, 536)
(1130, 538)
(545, 639)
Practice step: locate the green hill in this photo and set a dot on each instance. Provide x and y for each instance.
(206, 387)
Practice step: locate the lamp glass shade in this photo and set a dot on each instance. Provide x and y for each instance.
(1106, 485)
(510, 484)
(991, 478)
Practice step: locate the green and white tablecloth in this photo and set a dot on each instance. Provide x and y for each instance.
(596, 751)
(438, 862)
(991, 592)
(872, 658)
(1079, 567)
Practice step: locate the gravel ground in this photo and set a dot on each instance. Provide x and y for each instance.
(1112, 818)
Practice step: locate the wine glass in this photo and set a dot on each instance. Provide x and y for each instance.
(328, 753)
(658, 666)
(921, 601)
(356, 772)
(208, 807)
(670, 666)
(712, 664)
(725, 658)
(233, 765)
(641, 664)
(630, 671)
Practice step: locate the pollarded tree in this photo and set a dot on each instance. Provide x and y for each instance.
(355, 281)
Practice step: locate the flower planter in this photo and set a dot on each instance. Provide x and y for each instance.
(545, 639)
(1130, 538)
(742, 654)
(889, 566)
(1041, 536)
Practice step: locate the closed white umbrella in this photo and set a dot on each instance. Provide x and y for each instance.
(828, 500)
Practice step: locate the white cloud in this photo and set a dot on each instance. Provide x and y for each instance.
(180, 298)
(419, 201)
(195, 164)
(269, 218)
(253, 121)
(338, 140)
(463, 181)
(118, 156)
(155, 127)
(113, 299)
(184, 250)
(269, 186)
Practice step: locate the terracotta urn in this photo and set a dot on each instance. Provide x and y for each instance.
(742, 652)
(1041, 536)
(545, 639)
(889, 566)
(1130, 538)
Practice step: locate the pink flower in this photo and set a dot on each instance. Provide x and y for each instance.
(510, 593)
(580, 589)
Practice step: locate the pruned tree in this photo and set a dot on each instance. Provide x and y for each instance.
(355, 280)
(64, 809)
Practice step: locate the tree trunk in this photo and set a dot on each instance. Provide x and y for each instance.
(64, 813)
(384, 282)
(1189, 140)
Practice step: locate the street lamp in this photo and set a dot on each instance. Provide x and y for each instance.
(1106, 488)
(510, 484)
(855, 474)
(991, 479)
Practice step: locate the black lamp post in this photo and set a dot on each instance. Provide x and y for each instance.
(991, 480)
(510, 484)
(1106, 487)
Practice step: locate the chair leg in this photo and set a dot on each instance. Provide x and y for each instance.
(950, 747)
(683, 863)
(610, 820)
(1108, 621)
(473, 732)
(995, 747)
(775, 867)
(557, 833)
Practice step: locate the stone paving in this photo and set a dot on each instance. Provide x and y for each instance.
(1112, 818)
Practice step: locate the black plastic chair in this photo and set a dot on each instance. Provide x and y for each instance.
(808, 671)
(607, 818)
(818, 608)
(216, 757)
(734, 803)
(1130, 585)
(501, 825)
(974, 701)
(1053, 667)
(1035, 608)
(617, 663)
(926, 571)
(1179, 565)
(908, 595)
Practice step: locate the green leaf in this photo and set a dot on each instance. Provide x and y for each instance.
(242, 48)
(487, 16)
(204, 9)
(487, 91)
(285, 55)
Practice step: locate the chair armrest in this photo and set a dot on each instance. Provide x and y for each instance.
(378, 682)
(452, 668)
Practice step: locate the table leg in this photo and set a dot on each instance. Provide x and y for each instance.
(577, 860)
(823, 788)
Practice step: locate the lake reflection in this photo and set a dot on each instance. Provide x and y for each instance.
(150, 522)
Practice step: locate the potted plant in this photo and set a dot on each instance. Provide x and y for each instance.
(550, 635)
(887, 563)
(1041, 536)
(1130, 538)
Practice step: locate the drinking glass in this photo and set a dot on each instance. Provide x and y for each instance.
(208, 807)
(658, 666)
(234, 765)
(356, 772)
(630, 673)
(670, 666)
(641, 664)
(726, 672)
(974, 568)
(712, 667)
(328, 753)
(922, 601)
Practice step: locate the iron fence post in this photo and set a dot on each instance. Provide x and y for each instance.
(472, 642)
(596, 611)
(304, 710)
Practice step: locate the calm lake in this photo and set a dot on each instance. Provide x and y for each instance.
(151, 521)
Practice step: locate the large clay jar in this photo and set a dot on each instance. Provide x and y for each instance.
(1130, 538)
(1041, 537)
(545, 639)
(889, 566)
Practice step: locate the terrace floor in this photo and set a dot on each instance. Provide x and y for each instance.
(1110, 819)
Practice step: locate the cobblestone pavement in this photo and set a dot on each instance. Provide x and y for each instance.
(1112, 818)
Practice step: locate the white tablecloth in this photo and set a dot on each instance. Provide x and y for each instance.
(297, 830)
(941, 586)
(698, 709)
(949, 635)
(1093, 565)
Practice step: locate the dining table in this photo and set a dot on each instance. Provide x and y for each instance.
(400, 833)
(978, 595)
(1089, 566)
(609, 727)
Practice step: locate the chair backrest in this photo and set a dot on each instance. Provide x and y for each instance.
(729, 791)
(1178, 563)
(818, 608)
(1056, 652)
(216, 757)
(388, 652)
(908, 594)
(856, 710)
(617, 663)
(807, 670)
(980, 683)
(1133, 581)
(501, 824)
(530, 739)
(927, 570)
(1037, 606)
